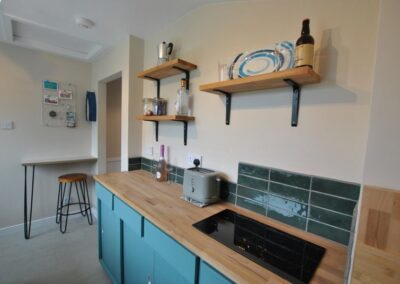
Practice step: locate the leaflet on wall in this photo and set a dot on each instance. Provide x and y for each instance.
(65, 94)
(71, 119)
(50, 100)
(49, 85)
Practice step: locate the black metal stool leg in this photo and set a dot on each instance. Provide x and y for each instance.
(63, 230)
(28, 212)
(79, 200)
(58, 202)
(84, 197)
(89, 212)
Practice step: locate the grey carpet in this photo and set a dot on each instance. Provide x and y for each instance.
(52, 257)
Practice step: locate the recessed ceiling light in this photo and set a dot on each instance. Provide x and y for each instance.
(83, 22)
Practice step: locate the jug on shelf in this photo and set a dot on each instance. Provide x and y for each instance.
(164, 51)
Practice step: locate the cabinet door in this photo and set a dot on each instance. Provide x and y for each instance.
(138, 258)
(109, 236)
(209, 275)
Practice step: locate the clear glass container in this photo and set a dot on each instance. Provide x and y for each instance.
(160, 106)
(148, 106)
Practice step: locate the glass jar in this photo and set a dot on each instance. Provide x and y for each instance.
(148, 106)
(160, 106)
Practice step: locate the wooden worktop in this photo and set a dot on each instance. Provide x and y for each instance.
(160, 203)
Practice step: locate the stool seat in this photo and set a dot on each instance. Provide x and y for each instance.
(72, 177)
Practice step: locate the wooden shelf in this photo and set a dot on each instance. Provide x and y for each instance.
(302, 76)
(157, 118)
(165, 118)
(294, 78)
(168, 69)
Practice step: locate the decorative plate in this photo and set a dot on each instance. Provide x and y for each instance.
(288, 54)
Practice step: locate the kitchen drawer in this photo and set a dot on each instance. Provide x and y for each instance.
(129, 216)
(178, 257)
(208, 275)
(104, 195)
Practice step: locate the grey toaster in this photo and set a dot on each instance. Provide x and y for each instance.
(201, 186)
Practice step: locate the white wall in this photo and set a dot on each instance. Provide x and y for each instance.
(331, 137)
(382, 166)
(21, 75)
(119, 61)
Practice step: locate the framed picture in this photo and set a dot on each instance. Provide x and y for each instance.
(50, 100)
(49, 85)
(65, 94)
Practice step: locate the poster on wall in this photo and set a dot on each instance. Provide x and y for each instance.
(50, 100)
(65, 94)
(49, 85)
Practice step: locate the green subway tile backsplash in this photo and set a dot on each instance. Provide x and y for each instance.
(317, 205)
(290, 178)
(333, 203)
(289, 192)
(254, 183)
(255, 171)
(338, 188)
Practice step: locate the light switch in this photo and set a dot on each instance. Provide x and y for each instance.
(6, 124)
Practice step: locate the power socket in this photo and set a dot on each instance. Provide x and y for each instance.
(191, 157)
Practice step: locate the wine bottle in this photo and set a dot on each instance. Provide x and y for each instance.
(305, 46)
(161, 169)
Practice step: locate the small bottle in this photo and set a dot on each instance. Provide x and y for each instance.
(182, 99)
(161, 169)
(305, 46)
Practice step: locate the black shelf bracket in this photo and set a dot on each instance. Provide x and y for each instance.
(187, 74)
(156, 129)
(185, 128)
(228, 102)
(295, 100)
(158, 84)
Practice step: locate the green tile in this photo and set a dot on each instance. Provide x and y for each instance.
(147, 162)
(293, 207)
(172, 177)
(255, 195)
(331, 218)
(253, 183)
(289, 192)
(252, 170)
(171, 169)
(180, 171)
(135, 167)
(251, 205)
(291, 178)
(343, 189)
(135, 160)
(146, 167)
(231, 198)
(333, 203)
(286, 217)
(328, 232)
(179, 179)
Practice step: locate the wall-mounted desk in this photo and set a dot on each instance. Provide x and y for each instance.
(41, 162)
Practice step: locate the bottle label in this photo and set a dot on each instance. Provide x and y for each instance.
(304, 55)
(158, 175)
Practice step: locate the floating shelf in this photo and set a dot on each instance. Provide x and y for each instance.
(295, 78)
(157, 118)
(168, 69)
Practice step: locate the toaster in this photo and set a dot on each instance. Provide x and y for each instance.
(201, 186)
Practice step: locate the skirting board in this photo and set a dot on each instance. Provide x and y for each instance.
(38, 223)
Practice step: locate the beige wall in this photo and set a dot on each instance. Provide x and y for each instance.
(21, 75)
(331, 137)
(114, 118)
(382, 166)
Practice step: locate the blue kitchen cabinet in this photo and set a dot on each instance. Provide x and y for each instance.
(173, 264)
(209, 275)
(109, 233)
(138, 256)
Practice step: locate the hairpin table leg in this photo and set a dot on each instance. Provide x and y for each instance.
(28, 216)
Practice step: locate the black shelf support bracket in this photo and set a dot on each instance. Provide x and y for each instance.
(156, 129)
(185, 128)
(158, 84)
(295, 100)
(228, 102)
(187, 74)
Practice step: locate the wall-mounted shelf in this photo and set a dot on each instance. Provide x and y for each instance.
(157, 118)
(295, 78)
(168, 69)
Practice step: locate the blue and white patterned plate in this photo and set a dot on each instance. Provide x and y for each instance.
(287, 51)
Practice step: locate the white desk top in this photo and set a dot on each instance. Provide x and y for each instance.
(58, 160)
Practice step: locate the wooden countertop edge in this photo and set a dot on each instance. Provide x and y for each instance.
(237, 267)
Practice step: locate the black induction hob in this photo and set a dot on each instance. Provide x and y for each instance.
(288, 256)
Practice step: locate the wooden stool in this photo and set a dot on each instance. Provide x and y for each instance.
(84, 206)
